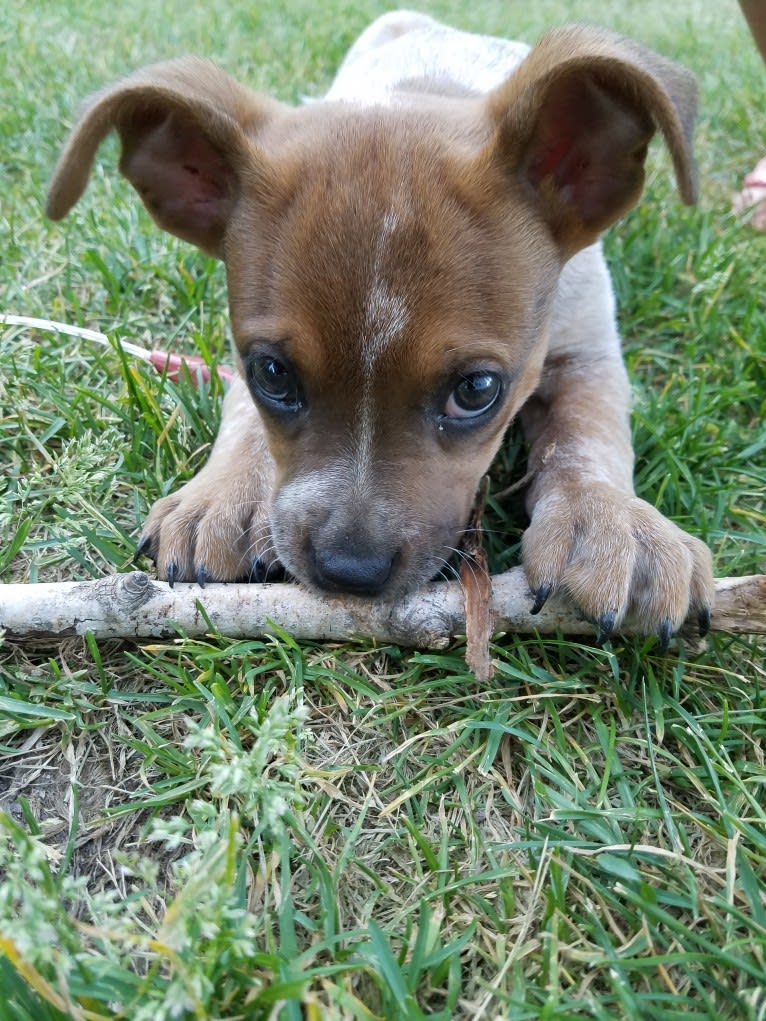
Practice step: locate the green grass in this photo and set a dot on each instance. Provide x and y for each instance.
(226, 829)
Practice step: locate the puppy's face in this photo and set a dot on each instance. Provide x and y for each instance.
(391, 272)
(389, 304)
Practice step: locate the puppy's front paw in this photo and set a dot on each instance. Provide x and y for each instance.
(211, 530)
(616, 556)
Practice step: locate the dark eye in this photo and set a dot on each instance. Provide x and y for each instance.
(474, 394)
(274, 382)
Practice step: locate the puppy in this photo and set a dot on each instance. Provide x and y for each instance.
(412, 262)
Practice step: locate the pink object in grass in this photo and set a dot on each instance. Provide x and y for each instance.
(171, 364)
(161, 360)
(752, 198)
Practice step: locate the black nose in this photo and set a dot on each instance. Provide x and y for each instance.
(359, 574)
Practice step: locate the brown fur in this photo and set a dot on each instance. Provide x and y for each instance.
(490, 196)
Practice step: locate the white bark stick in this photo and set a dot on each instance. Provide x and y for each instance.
(135, 606)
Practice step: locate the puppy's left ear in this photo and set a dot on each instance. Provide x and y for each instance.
(574, 121)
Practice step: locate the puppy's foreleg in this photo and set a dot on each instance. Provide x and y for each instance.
(216, 527)
(589, 534)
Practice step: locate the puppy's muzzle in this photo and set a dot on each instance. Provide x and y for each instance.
(352, 566)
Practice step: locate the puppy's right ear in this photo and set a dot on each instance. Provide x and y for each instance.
(187, 133)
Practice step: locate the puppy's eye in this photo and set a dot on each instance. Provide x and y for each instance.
(474, 394)
(274, 382)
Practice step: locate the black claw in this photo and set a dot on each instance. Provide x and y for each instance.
(202, 576)
(258, 572)
(605, 626)
(704, 621)
(666, 633)
(261, 572)
(541, 598)
(142, 548)
(172, 573)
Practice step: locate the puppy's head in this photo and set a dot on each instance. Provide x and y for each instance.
(391, 271)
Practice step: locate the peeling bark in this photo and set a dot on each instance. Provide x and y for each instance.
(133, 606)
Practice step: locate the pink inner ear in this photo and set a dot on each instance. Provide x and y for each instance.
(550, 157)
(186, 184)
(590, 146)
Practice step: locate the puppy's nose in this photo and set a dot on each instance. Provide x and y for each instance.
(358, 573)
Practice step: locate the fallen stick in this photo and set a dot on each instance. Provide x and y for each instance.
(133, 606)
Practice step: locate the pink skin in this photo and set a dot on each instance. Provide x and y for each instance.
(753, 195)
(752, 198)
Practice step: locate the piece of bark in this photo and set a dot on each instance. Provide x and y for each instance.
(133, 606)
(477, 591)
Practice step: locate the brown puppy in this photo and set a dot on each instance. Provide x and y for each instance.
(412, 262)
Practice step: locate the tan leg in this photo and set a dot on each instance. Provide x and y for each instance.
(216, 527)
(755, 15)
(589, 534)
